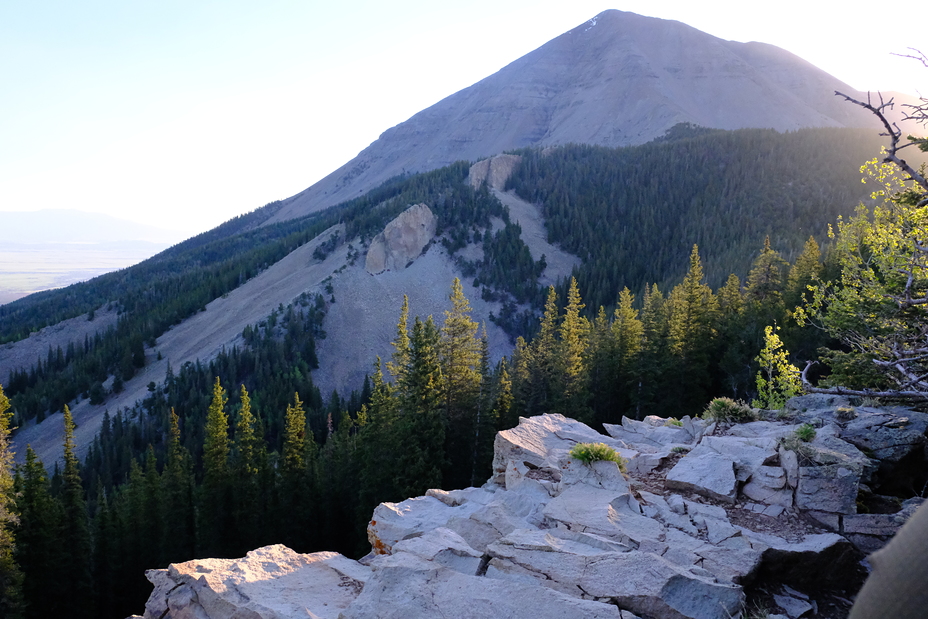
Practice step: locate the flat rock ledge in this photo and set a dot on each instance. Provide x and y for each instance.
(702, 513)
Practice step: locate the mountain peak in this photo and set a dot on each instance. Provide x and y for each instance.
(617, 79)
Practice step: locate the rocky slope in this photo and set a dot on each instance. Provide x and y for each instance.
(615, 80)
(706, 515)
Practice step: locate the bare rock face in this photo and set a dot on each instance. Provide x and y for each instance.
(273, 582)
(402, 241)
(494, 171)
(549, 536)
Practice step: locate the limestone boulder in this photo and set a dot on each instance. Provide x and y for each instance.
(414, 590)
(830, 488)
(709, 474)
(888, 434)
(543, 442)
(273, 582)
(493, 171)
(402, 240)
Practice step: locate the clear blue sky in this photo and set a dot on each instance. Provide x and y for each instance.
(184, 114)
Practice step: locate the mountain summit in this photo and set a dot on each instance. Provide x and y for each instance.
(616, 80)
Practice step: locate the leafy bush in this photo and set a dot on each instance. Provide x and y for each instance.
(726, 409)
(778, 380)
(591, 452)
(805, 432)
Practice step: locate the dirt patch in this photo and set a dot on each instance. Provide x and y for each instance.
(529, 217)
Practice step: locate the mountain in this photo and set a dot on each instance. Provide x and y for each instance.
(616, 80)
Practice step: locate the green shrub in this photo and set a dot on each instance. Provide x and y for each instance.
(591, 452)
(673, 421)
(805, 432)
(726, 409)
(680, 449)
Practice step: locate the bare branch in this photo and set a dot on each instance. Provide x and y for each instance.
(918, 55)
(892, 132)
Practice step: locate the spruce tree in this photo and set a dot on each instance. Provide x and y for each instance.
(214, 518)
(459, 356)
(39, 550)
(77, 547)
(249, 463)
(10, 574)
(178, 543)
(571, 378)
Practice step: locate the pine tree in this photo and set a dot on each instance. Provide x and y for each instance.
(295, 499)
(692, 320)
(571, 379)
(249, 462)
(214, 518)
(77, 547)
(179, 542)
(10, 574)
(421, 428)
(38, 548)
(459, 357)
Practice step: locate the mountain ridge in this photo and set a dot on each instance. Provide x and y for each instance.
(572, 90)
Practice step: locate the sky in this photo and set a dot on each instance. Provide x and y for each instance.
(184, 114)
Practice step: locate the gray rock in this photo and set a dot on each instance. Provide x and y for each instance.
(268, 583)
(890, 434)
(410, 591)
(793, 607)
(709, 474)
(831, 488)
(789, 461)
(402, 240)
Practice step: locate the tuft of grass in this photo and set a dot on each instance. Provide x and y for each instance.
(591, 452)
(804, 452)
(805, 432)
(845, 413)
(673, 421)
(680, 449)
(726, 409)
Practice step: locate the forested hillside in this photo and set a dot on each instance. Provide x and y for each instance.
(633, 214)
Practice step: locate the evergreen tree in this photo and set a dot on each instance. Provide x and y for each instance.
(571, 380)
(177, 480)
(692, 334)
(77, 547)
(294, 478)
(39, 549)
(249, 464)
(459, 357)
(421, 426)
(213, 515)
(10, 574)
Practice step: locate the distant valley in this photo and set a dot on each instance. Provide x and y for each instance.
(55, 248)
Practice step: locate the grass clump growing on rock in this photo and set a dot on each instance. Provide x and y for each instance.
(728, 410)
(591, 452)
(673, 421)
(805, 432)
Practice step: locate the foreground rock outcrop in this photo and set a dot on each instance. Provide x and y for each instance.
(704, 514)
